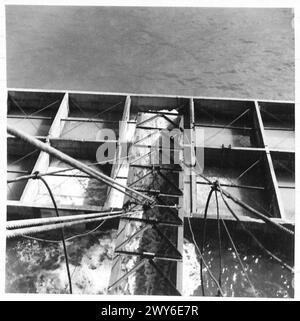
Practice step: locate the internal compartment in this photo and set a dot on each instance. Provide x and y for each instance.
(228, 123)
(284, 166)
(279, 124)
(243, 174)
(73, 187)
(158, 112)
(159, 124)
(32, 112)
(19, 164)
(91, 113)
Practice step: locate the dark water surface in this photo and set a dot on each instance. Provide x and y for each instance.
(210, 52)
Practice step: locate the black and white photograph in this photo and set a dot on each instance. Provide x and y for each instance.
(150, 151)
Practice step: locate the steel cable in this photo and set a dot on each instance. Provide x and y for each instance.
(62, 231)
(201, 257)
(203, 240)
(239, 258)
(254, 238)
(220, 241)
